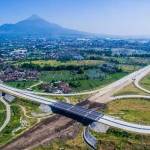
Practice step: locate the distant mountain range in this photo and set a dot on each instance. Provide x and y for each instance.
(35, 25)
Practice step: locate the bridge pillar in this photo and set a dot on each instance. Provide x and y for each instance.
(45, 108)
(99, 127)
(8, 97)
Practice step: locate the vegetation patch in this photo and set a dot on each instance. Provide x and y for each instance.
(145, 82)
(132, 110)
(21, 84)
(20, 120)
(119, 140)
(6, 135)
(2, 113)
(56, 63)
(130, 90)
(79, 82)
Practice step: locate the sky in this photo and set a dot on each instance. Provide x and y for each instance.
(115, 17)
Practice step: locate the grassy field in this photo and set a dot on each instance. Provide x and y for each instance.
(136, 110)
(48, 76)
(29, 106)
(56, 63)
(145, 82)
(17, 116)
(129, 68)
(2, 113)
(138, 61)
(6, 135)
(130, 90)
(83, 85)
(21, 84)
(132, 110)
(94, 84)
(116, 139)
(80, 79)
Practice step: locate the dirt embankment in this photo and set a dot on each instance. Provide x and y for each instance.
(47, 130)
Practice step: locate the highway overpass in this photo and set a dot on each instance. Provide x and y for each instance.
(81, 112)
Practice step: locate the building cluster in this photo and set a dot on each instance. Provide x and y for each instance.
(70, 48)
(11, 74)
(63, 55)
(56, 87)
(19, 54)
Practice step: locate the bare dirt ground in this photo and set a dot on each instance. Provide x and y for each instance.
(47, 130)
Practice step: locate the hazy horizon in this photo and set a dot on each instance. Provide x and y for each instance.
(114, 17)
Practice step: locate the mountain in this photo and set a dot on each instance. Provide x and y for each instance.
(35, 25)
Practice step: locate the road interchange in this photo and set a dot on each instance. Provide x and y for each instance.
(85, 113)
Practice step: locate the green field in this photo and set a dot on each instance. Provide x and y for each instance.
(81, 79)
(6, 134)
(89, 80)
(145, 82)
(133, 61)
(17, 115)
(56, 63)
(83, 84)
(132, 110)
(129, 68)
(21, 84)
(116, 139)
(2, 113)
(130, 90)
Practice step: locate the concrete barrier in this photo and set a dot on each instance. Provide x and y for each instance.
(89, 139)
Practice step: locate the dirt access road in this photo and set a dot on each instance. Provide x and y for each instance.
(47, 130)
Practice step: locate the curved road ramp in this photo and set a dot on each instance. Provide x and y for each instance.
(89, 139)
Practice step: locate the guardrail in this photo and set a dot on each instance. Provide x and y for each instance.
(89, 139)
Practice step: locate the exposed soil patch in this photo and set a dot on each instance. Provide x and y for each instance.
(47, 130)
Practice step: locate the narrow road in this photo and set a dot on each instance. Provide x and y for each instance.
(36, 84)
(130, 96)
(8, 114)
(136, 83)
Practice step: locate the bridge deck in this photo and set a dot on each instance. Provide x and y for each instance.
(78, 110)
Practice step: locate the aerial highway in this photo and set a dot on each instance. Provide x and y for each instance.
(77, 110)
